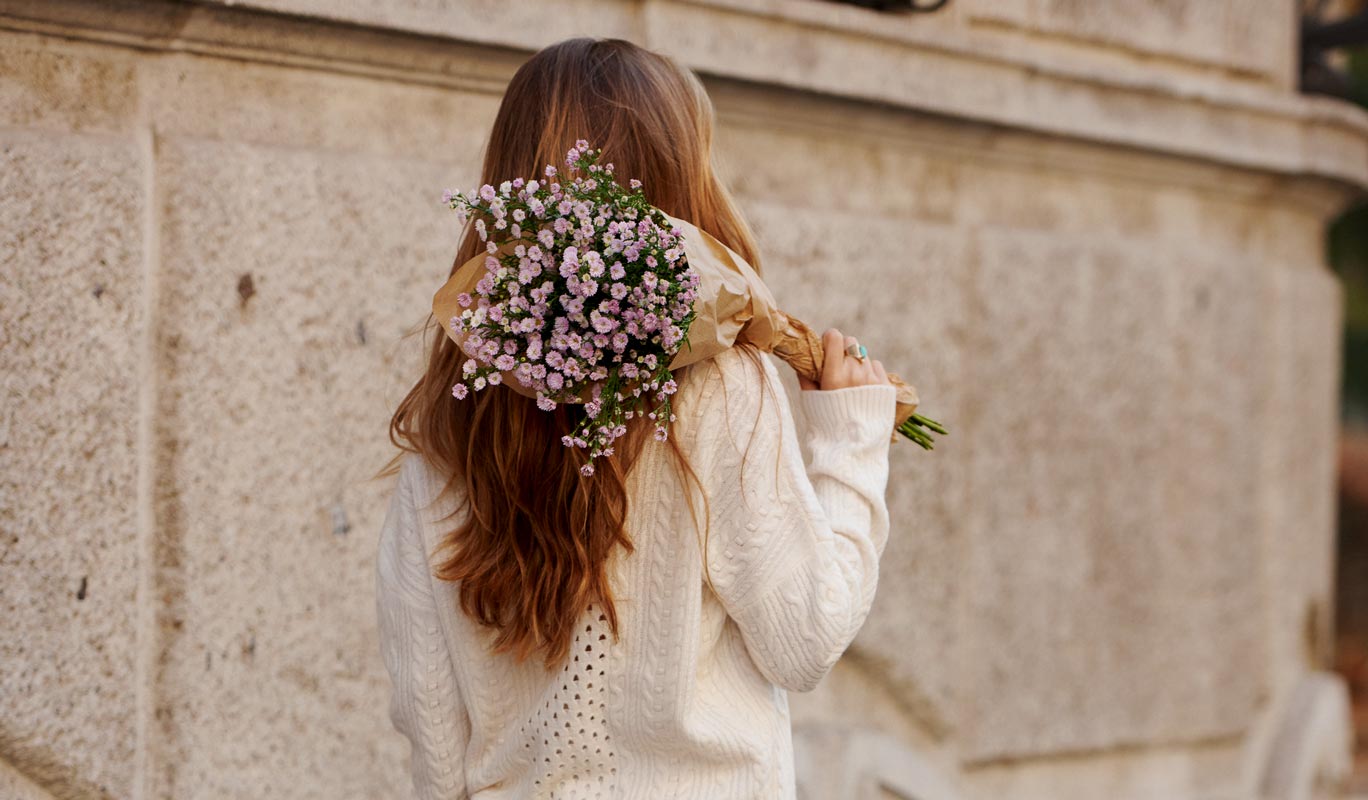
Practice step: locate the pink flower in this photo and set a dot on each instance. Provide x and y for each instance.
(601, 323)
(459, 391)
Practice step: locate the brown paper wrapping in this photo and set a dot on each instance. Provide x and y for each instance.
(734, 305)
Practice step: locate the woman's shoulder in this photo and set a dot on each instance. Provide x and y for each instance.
(738, 383)
(414, 472)
(743, 366)
(424, 486)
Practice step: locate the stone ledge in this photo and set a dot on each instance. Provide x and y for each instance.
(1194, 114)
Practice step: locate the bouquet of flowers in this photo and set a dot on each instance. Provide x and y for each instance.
(586, 293)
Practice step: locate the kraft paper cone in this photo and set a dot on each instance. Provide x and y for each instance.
(733, 305)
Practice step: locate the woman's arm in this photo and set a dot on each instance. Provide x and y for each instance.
(794, 551)
(425, 701)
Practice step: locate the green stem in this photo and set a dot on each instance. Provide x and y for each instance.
(930, 423)
(912, 429)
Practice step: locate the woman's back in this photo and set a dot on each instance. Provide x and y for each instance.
(690, 701)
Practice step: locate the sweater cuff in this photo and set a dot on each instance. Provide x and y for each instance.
(853, 414)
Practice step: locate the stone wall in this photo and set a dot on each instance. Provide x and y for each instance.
(1090, 233)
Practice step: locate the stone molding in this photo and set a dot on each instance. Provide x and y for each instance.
(850, 763)
(1209, 115)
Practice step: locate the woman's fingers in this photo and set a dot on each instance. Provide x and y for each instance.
(840, 369)
(879, 371)
(833, 360)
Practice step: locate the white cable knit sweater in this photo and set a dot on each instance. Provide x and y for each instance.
(692, 701)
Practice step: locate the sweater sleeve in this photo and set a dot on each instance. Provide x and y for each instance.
(794, 550)
(425, 701)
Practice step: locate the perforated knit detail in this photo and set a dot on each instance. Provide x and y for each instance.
(568, 737)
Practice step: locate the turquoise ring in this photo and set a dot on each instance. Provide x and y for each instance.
(856, 351)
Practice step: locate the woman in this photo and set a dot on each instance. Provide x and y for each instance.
(631, 634)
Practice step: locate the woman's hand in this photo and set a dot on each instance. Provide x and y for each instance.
(840, 370)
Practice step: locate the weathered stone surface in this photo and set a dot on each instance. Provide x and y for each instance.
(71, 366)
(1108, 596)
(1300, 436)
(264, 104)
(50, 84)
(14, 785)
(507, 24)
(278, 395)
(1210, 770)
(1239, 35)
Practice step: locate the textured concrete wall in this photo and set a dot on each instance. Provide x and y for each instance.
(1091, 237)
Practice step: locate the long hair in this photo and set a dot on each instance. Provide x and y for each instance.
(530, 554)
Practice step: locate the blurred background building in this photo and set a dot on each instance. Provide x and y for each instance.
(1335, 62)
(1101, 237)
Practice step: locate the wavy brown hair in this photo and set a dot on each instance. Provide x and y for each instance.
(530, 554)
